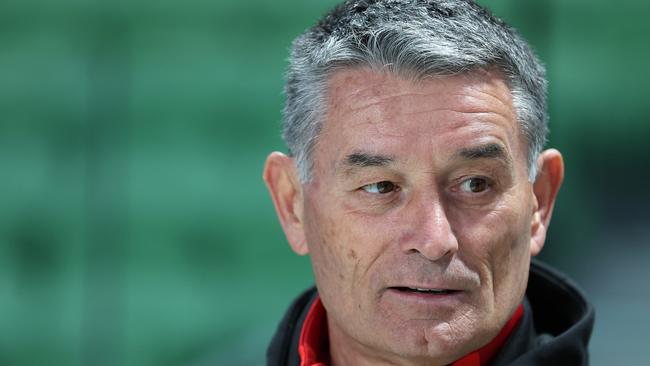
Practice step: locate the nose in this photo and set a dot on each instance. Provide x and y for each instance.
(429, 231)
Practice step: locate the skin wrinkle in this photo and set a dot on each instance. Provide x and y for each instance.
(381, 100)
(363, 123)
(494, 97)
(371, 264)
(460, 125)
(478, 109)
(469, 320)
(371, 89)
(502, 99)
(354, 275)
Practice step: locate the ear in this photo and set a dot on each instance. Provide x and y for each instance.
(281, 179)
(547, 184)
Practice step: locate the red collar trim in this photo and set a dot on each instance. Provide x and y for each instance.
(313, 346)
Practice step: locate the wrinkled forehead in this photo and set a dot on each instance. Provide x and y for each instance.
(357, 86)
(369, 108)
(364, 96)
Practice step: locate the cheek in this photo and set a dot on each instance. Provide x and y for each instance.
(510, 258)
(496, 244)
(332, 251)
(324, 248)
(345, 245)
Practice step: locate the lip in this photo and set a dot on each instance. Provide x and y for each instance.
(403, 295)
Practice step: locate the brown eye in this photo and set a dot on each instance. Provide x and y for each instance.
(382, 187)
(474, 185)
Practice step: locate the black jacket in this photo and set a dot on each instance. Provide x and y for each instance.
(554, 330)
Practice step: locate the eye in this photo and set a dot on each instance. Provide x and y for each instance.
(382, 187)
(475, 185)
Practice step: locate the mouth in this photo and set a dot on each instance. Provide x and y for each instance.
(423, 291)
(415, 298)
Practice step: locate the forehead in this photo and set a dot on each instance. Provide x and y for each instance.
(355, 83)
(372, 110)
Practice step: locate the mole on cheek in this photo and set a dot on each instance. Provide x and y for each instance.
(352, 254)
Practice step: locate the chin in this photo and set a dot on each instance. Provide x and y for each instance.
(440, 343)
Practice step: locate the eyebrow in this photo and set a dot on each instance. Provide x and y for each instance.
(487, 151)
(364, 160)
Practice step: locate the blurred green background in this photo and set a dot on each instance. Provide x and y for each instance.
(134, 225)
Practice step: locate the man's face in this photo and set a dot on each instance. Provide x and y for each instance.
(418, 216)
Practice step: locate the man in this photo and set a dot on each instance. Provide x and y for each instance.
(417, 183)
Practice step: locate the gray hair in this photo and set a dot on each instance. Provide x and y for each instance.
(416, 38)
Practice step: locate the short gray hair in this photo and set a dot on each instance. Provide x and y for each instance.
(417, 38)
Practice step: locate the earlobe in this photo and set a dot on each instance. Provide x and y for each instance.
(546, 187)
(282, 182)
(538, 235)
